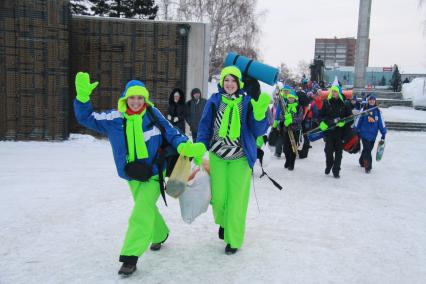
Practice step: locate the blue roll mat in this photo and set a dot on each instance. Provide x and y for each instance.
(255, 69)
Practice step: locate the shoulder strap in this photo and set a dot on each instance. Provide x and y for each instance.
(160, 156)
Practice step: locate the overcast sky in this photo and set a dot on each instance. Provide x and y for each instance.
(290, 27)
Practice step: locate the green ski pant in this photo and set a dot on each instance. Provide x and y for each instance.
(230, 185)
(146, 225)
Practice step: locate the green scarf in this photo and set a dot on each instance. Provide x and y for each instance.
(234, 131)
(292, 108)
(134, 133)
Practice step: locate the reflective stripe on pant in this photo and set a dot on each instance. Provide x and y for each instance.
(230, 184)
(146, 225)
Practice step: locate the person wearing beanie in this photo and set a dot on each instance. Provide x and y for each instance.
(278, 116)
(176, 109)
(194, 110)
(230, 123)
(368, 127)
(334, 109)
(291, 120)
(134, 134)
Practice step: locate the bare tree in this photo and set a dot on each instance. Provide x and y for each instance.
(302, 69)
(233, 26)
(286, 75)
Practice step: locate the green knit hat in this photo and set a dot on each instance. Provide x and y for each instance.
(231, 70)
(133, 88)
(330, 92)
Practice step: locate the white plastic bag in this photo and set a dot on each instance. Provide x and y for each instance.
(196, 198)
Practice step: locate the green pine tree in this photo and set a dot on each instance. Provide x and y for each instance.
(144, 9)
(77, 8)
(100, 7)
(383, 81)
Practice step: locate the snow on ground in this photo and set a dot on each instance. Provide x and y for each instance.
(416, 91)
(403, 114)
(64, 213)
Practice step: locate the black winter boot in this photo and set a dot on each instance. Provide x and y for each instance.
(157, 246)
(127, 269)
(221, 233)
(229, 250)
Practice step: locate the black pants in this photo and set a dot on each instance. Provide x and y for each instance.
(366, 160)
(279, 143)
(333, 152)
(194, 136)
(290, 156)
(305, 149)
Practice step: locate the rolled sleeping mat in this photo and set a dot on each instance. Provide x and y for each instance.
(314, 136)
(252, 68)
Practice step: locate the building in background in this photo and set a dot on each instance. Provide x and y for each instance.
(375, 77)
(336, 51)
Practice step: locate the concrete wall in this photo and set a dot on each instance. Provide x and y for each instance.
(198, 58)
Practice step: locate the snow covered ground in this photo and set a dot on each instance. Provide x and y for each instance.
(64, 213)
(403, 114)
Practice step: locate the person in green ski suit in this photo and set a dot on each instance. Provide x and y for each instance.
(135, 140)
(230, 123)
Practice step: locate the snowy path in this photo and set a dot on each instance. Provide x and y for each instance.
(64, 213)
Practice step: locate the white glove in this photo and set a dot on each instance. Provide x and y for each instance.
(176, 119)
(169, 117)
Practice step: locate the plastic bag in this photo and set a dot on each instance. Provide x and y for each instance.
(196, 198)
(177, 182)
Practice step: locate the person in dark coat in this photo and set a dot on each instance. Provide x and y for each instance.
(176, 110)
(334, 109)
(194, 110)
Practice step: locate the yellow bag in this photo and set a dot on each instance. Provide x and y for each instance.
(178, 180)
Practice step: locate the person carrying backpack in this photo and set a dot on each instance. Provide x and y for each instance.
(229, 126)
(291, 120)
(333, 110)
(135, 137)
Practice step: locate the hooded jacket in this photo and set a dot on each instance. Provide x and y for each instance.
(110, 124)
(250, 128)
(332, 110)
(177, 110)
(194, 110)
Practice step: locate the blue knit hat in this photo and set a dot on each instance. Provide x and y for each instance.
(371, 97)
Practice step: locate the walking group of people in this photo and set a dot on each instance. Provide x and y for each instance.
(226, 125)
(334, 116)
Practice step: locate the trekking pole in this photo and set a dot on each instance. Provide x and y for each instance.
(255, 195)
(345, 119)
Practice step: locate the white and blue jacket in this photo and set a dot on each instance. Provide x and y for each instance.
(110, 124)
(369, 125)
(250, 128)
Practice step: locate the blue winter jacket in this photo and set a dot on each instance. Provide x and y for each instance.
(110, 123)
(250, 128)
(369, 125)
